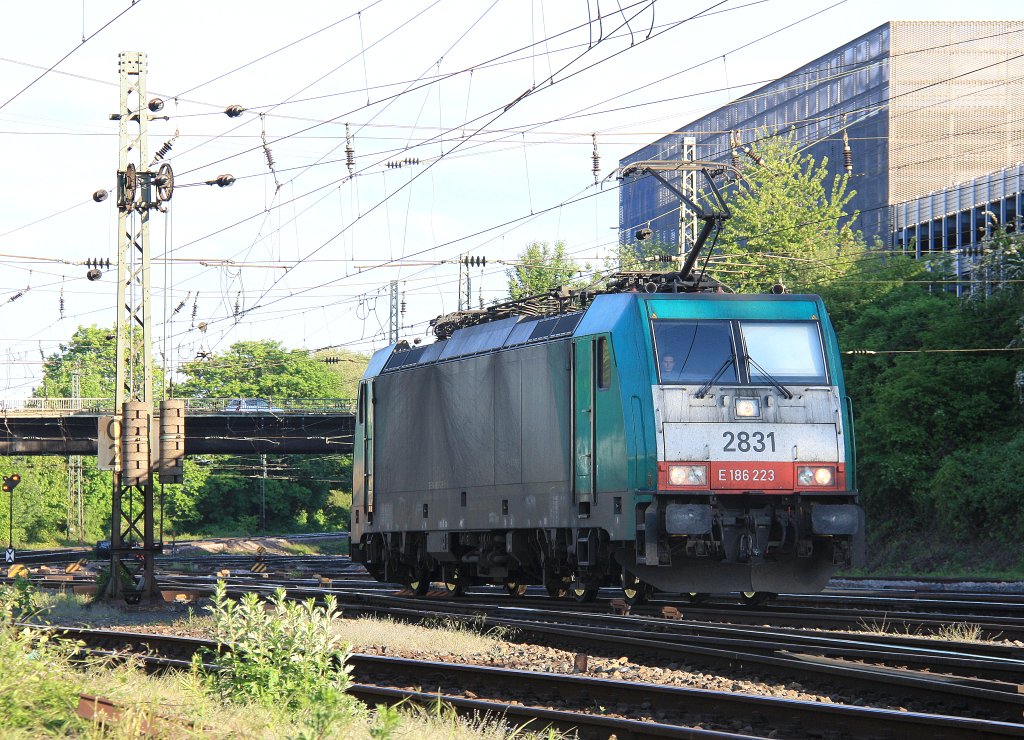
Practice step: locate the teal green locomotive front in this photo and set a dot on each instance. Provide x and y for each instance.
(684, 442)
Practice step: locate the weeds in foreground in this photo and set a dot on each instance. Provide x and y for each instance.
(16, 601)
(281, 653)
(477, 625)
(960, 632)
(41, 685)
(955, 632)
(33, 665)
(886, 626)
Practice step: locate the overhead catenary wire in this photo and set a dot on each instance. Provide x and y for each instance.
(56, 64)
(496, 114)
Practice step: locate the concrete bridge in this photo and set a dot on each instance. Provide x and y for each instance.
(70, 426)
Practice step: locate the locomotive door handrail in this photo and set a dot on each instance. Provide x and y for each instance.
(584, 388)
(851, 435)
(366, 407)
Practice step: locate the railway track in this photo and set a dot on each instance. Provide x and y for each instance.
(890, 670)
(595, 706)
(995, 615)
(967, 677)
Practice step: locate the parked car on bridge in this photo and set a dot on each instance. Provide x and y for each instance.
(251, 406)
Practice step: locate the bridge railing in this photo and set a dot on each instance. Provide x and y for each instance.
(273, 405)
(43, 406)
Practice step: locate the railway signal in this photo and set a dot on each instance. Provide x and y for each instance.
(10, 483)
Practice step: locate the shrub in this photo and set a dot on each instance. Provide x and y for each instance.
(977, 492)
(278, 653)
(35, 698)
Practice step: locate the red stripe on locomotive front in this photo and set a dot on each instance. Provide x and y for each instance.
(729, 476)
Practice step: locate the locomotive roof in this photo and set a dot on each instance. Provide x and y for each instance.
(600, 316)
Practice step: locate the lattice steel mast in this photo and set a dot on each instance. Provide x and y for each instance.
(138, 191)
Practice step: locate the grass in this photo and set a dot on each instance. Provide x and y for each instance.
(954, 632)
(455, 638)
(961, 632)
(42, 684)
(324, 546)
(447, 636)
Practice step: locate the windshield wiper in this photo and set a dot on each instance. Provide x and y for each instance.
(702, 391)
(769, 377)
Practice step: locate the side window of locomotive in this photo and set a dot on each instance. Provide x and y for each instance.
(788, 352)
(694, 351)
(361, 403)
(604, 363)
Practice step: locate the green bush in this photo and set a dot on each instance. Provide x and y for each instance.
(35, 669)
(281, 653)
(977, 492)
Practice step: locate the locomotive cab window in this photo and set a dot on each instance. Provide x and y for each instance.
(787, 352)
(694, 351)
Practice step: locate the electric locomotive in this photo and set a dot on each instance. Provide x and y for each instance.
(572, 451)
(662, 436)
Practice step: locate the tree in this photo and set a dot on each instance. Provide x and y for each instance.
(642, 256)
(541, 268)
(227, 491)
(938, 431)
(260, 369)
(347, 366)
(90, 354)
(788, 223)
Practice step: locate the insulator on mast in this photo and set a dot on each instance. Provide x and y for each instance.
(350, 153)
(595, 159)
(734, 142)
(754, 156)
(182, 305)
(847, 152)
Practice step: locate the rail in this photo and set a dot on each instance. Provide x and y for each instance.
(43, 406)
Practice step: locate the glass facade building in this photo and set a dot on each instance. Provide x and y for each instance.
(926, 105)
(959, 220)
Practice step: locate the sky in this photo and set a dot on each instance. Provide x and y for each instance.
(496, 104)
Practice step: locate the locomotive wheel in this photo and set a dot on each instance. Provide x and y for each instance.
(455, 590)
(419, 585)
(634, 590)
(557, 589)
(514, 588)
(584, 592)
(696, 598)
(754, 598)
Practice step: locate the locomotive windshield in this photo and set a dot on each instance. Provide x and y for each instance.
(788, 352)
(694, 351)
(708, 352)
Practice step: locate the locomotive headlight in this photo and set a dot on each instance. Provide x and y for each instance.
(815, 476)
(688, 475)
(748, 407)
